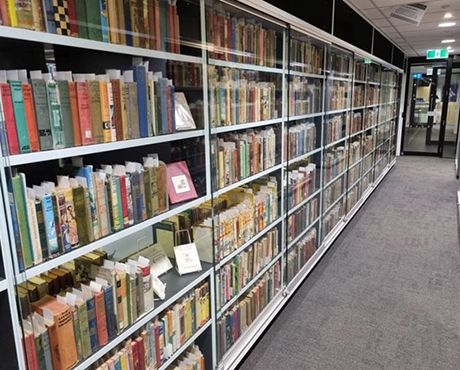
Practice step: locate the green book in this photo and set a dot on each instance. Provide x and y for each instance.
(81, 19)
(116, 179)
(42, 114)
(95, 103)
(93, 18)
(79, 199)
(21, 209)
(63, 86)
(84, 329)
(42, 228)
(20, 116)
(55, 115)
(76, 331)
(129, 298)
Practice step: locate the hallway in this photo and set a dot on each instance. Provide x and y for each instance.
(387, 293)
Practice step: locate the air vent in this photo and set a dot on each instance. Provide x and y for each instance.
(410, 13)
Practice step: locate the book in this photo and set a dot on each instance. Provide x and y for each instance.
(74, 112)
(62, 317)
(96, 112)
(33, 226)
(84, 112)
(66, 112)
(93, 20)
(180, 184)
(80, 8)
(24, 14)
(61, 17)
(40, 99)
(54, 108)
(140, 79)
(10, 123)
(20, 115)
(30, 117)
(183, 116)
(73, 17)
(4, 13)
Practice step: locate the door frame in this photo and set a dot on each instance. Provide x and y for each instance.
(448, 66)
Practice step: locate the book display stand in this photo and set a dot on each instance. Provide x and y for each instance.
(257, 137)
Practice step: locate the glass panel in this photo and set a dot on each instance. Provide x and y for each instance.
(453, 115)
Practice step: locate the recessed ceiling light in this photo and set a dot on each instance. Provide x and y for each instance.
(448, 15)
(447, 24)
(449, 47)
(447, 41)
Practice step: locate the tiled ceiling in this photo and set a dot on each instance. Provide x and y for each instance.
(413, 40)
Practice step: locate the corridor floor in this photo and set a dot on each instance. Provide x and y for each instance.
(387, 293)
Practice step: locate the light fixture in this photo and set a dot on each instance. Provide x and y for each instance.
(448, 15)
(447, 24)
(449, 48)
(447, 41)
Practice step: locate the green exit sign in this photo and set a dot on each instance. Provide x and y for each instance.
(437, 54)
(367, 61)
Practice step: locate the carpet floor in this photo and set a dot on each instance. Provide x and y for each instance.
(387, 293)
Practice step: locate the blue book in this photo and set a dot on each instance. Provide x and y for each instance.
(164, 104)
(92, 324)
(173, 109)
(117, 364)
(50, 226)
(49, 12)
(161, 333)
(139, 78)
(110, 312)
(104, 22)
(17, 237)
(136, 194)
(129, 36)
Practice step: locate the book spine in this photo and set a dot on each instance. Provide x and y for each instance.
(117, 106)
(80, 9)
(81, 214)
(30, 118)
(110, 313)
(12, 13)
(94, 18)
(20, 116)
(67, 124)
(105, 112)
(74, 113)
(54, 108)
(96, 113)
(84, 113)
(84, 330)
(73, 18)
(10, 123)
(4, 13)
(61, 17)
(140, 78)
(40, 99)
(92, 326)
(42, 229)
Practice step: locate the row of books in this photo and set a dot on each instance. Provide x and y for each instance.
(360, 71)
(356, 122)
(358, 96)
(388, 77)
(186, 74)
(239, 214)
(355, 151)
(333, 192)
(352, 196)
(372, 95)
(240, 40)
(331, 219)
(236, 274)
(232, 102)
(88, 205)
(301, 183)
(374, 73)
(354, 174)
(368, 144)
(151, 24)
(240, 155)
(306, 57)
(338, 64)
(387, 112)
(192, 359)
(300, 139)
(370, 117)
(305, 96)
(338, 93)
(334, 162)
(368, 163)
(335, 127)
(301, 253)
(61, 109)
(96, 302)
(237, 319)
(302, 218)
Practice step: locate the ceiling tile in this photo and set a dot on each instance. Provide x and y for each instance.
(372, 14)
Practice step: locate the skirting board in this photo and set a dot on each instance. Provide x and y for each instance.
(239, 350)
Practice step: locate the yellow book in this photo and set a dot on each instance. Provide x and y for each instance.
(12, 13)
(105, 111)
(124, 112)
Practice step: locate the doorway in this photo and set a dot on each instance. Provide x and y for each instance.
(431, 119)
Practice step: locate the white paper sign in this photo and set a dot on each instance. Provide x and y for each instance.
(180, 184)
(187, 258)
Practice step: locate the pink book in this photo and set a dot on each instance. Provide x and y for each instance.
(180, 184)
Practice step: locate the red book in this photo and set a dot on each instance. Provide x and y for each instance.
(30, 117)
(101, 320)
(180, 184)
(124, 201)
(84, 113)
(31, 352)
(10, 122)
(74, 112)
(4, 13)
(157, 343)
(141, 351)
(135, 349)
(73, 18)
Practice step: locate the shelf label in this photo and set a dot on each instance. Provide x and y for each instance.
(437, 54)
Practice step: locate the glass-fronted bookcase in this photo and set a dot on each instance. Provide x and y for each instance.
(132, 141)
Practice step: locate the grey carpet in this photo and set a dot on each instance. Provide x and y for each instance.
(387, 293)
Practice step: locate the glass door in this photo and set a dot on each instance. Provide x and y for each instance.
(423, 122)
(453, 116)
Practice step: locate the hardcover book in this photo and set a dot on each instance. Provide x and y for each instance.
(180, 184)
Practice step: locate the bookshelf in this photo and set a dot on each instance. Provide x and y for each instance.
(292, 134)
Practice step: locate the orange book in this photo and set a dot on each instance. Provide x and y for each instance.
(63, 320)
(105, 111)
(101, 320)
(157, 25)
(30, 117)
(74, 111)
